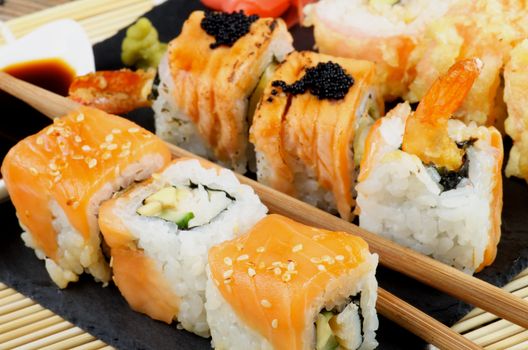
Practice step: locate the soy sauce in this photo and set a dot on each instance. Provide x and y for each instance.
(17, 119)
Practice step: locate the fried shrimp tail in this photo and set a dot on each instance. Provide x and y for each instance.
(426, 133)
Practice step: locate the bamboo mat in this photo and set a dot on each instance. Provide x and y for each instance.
(27, 325)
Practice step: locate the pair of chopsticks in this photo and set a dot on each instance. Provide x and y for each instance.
(393, 256)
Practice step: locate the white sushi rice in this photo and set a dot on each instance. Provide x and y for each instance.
(181, 255)
(401, 199)
(76, 255)
(229, 331)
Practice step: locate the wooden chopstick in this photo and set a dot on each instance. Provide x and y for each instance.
(390, 306)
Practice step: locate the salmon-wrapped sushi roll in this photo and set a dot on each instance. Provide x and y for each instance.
(432, 183)
(208, 78)
(309, 127)
(159, 232)
(516, 97)
(384, 32)
(58, 178)
(287, 286)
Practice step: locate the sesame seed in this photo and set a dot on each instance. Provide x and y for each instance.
(340, 258)
(125, 153)
(315, 260)
(92, 163)
(261, 249)
(54, 172)
(57, 178)
(107, 155)
(40, 141)
(286, 277)
(228, 273)
(133, 130)
(86, 148)
(109, 138)
(50, 130)
(77, 139)
(77, 156)
(116, 131)
(291, 266)
(228, 261)
(53, 166)
(243, 257)
(75, 204)
(277, 271)
(265, 303)
(126, 145)
(251, 272)
(111, 147)
(274, 323)
(33, 171)
(321, 267)
(239, 246)
(147, 135)
(297, 248)
(80, 117)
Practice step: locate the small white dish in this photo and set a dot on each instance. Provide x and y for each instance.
(64, 39)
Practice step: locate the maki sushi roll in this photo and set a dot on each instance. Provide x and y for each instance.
(309, 128)
(58, 178)
(432, 183)
(160, 230)
(382, 31)
(284, 285)
(483, 29)
(209, 82)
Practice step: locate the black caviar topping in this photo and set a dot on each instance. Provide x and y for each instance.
(450, 179)
(226, 28)
(326, 81)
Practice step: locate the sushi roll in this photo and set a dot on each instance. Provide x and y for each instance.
(160, 230)
(209, 81)
(516, 80)
(433, 183)
(58, 178)
(284, 285)
(382, 31)
(487, 34)
(309, 127)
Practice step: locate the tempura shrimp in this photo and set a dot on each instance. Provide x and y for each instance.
(426, 132)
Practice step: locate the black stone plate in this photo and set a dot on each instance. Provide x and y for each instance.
(102, 311)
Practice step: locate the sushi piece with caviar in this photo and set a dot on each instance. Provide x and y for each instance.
(209, 83)
(288, 286)
(433, 183)
(159, 232)
(310, 125)
(58, 178)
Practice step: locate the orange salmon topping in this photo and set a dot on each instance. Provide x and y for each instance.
(69, 162)
(278, 270)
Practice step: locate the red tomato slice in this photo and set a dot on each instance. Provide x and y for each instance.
(268, 8)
